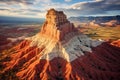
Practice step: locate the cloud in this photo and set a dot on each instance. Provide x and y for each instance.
(43, 1)
(28, 2)
(68, 0)
(24, 2)
(19, 3)
(54, 5)
(93, 7)
(21, 8)
(38, 8)
(22, 12)
(4, 9)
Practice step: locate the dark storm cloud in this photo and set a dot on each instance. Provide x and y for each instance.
(102, 5)
(93, 7)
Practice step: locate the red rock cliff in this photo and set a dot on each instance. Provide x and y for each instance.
(56, 25)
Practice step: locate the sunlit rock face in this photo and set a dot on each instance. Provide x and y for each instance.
(56, 25)
(61, 52)
(116, 43)
(56, 17)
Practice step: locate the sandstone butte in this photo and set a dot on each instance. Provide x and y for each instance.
(60, 52)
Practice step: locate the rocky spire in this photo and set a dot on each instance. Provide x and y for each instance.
(56, 17)
(56, 25)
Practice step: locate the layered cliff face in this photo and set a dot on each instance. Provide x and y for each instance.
(56, 25)
(61, 52)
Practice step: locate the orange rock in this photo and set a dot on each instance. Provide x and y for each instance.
(116, 43)
(56, 25)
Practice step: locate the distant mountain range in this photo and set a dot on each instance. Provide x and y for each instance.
(98, 19)
(17, 20)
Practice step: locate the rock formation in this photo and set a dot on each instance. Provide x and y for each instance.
(116, 43)
(56, 25)
(61, 52)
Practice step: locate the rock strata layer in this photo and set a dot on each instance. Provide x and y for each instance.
(56, 25)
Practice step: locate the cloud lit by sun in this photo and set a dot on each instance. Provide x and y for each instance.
(37, 8)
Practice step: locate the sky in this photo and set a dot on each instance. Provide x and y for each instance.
(38, 8)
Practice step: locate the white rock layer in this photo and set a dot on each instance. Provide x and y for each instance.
(72, 49)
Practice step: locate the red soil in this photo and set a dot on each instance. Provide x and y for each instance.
(103, 63)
